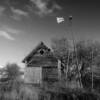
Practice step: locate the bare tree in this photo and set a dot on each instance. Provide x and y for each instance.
(61, 49)
(88, 53)
(81, 65)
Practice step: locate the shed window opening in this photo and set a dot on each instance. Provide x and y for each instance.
(41, 52)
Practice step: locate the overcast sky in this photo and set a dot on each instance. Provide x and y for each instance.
(24, 23)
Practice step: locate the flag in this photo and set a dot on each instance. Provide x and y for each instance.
(60, 19)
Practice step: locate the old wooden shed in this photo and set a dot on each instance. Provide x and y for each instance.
(41, 65)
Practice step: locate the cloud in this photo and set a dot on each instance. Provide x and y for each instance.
(18, 8)
(6, 35)
(2, 9)
(45, 7)
(7, 32)
(10, 30)
(17, 14)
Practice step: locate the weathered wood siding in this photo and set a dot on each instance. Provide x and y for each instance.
(33, 75)
(50, 74)
(43, 61)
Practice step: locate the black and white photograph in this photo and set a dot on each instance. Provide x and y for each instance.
(49, 50)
